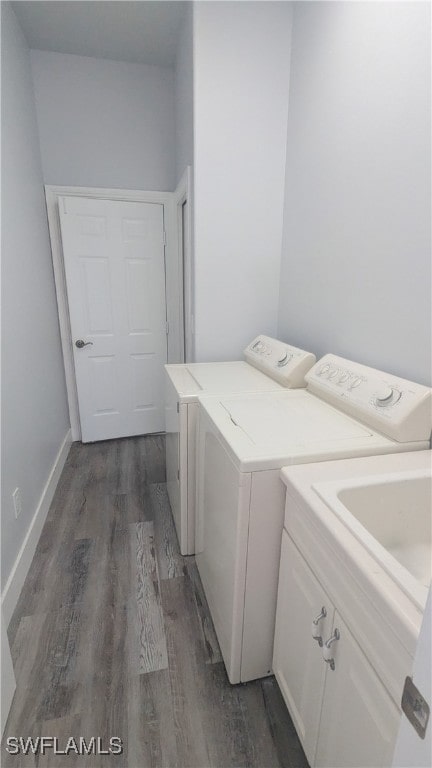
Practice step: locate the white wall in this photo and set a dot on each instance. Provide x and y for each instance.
(355, 276)
(241, 78)
(105, 123)
(34, 409)
(184, 144)
(183, 89)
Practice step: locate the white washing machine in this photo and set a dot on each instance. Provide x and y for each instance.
(269, 365)
(347, 410)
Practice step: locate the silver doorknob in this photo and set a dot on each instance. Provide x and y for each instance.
(80, 343)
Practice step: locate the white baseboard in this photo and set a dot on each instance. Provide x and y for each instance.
(22, 563)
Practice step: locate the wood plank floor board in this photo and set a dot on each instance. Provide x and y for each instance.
(230, 743)
(145, 619)
(225, 731)
(73, 569)
(30, 639)
(289, 749)
(151, 727)
(46, 569)
(207, 630)
(103, 464)
(124, 480)
(138, 469)
(61, 580)
(103, 649)
(25, 644)
(20, 760)
(105, 715)
(185, 662)
(95, 514)
(101, 513)
(62, 729)
(103, 646)
(53, 682)
(262, 742)
(154, 458)
(135, 507)
(109, 579)
(112, 634)
(71, 487)
(171, 563)
(240, 734)
(44, 652)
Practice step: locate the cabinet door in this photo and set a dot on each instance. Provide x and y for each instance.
(359, 720)
(297, 662)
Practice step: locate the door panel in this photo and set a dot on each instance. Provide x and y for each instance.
(138, 276)
(359, 720)
(104, 385)
(115, 274)
(96, 292)
(297, 662)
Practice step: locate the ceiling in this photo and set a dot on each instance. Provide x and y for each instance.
(144, 32)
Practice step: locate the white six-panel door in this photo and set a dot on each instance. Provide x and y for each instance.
(115, 274)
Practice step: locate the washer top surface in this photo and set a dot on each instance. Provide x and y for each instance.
(297, 421)
(269, 365)
(348, 409)
(268, 431)
(193, 379)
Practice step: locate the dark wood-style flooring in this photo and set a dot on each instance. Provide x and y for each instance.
(112, 634)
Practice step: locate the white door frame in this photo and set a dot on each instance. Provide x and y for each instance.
(182, 194)
(52, 193)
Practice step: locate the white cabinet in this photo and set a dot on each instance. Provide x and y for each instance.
(297, 661)
(342, 712)
(359, 721)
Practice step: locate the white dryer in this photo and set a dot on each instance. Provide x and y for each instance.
(347, 410)
(269, 365)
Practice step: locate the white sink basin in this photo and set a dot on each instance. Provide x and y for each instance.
(391, 516)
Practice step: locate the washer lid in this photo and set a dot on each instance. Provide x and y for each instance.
(194, 378)
(267, 431)
(274, 423)
(231, 377)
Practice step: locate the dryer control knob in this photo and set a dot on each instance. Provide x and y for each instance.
(387, 396)
(284, 360)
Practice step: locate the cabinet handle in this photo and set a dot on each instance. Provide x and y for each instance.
(327, 653)
(315, 623)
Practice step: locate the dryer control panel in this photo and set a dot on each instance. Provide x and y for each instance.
(396, 407)
(282, 362)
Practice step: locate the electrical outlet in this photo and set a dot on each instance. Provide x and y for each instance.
(16, 497)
